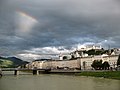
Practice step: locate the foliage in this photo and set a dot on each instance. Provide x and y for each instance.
(105, 65)
(96, 52)
(118, 61)
(6, 63)
(64, 57)
(72, 57)
(91, 52)
(84, 64)
(97, 64)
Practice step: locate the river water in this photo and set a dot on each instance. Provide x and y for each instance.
(56, 82)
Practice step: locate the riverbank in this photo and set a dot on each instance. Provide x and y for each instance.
(104, 74)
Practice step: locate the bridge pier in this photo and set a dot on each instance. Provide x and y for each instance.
(16, 72)
(35, 72)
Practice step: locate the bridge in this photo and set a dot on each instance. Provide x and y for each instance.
(35, 71)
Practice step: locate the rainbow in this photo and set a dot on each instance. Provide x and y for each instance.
(24, 22)
(23, 14)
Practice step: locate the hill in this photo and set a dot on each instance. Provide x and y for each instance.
(11, 62)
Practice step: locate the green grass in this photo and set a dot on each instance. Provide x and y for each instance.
(104, 74)
(5, 63)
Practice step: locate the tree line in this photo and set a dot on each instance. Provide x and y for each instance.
(99, 65)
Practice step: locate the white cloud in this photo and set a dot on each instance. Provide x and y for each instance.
(28, 56)
(49, 50)
(44, 53)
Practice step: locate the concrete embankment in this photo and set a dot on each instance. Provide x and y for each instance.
(69, 72)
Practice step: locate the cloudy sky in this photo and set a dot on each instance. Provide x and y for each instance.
(30, 28)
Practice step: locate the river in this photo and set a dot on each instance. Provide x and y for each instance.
(56, 82)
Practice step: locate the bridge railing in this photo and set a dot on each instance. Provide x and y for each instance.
(23, 69)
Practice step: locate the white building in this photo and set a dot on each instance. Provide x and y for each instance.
(89, 47)
(115, 51)
(87, 61)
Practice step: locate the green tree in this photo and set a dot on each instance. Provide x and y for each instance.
(91, 52)
(72, 57)
(118, 61)
(105, 65)
(64, 57)
(97, 64)
(95, 52)
(84, 65)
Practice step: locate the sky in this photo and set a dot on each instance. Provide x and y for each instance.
(29, 29)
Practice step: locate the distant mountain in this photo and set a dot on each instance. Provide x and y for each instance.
(11, 62)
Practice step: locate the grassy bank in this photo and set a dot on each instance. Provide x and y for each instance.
(104, 74)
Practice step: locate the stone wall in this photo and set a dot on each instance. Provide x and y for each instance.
(63, 64)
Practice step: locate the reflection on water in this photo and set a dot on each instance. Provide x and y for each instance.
(56, 82)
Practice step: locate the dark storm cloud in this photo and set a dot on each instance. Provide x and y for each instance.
(58, 23)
